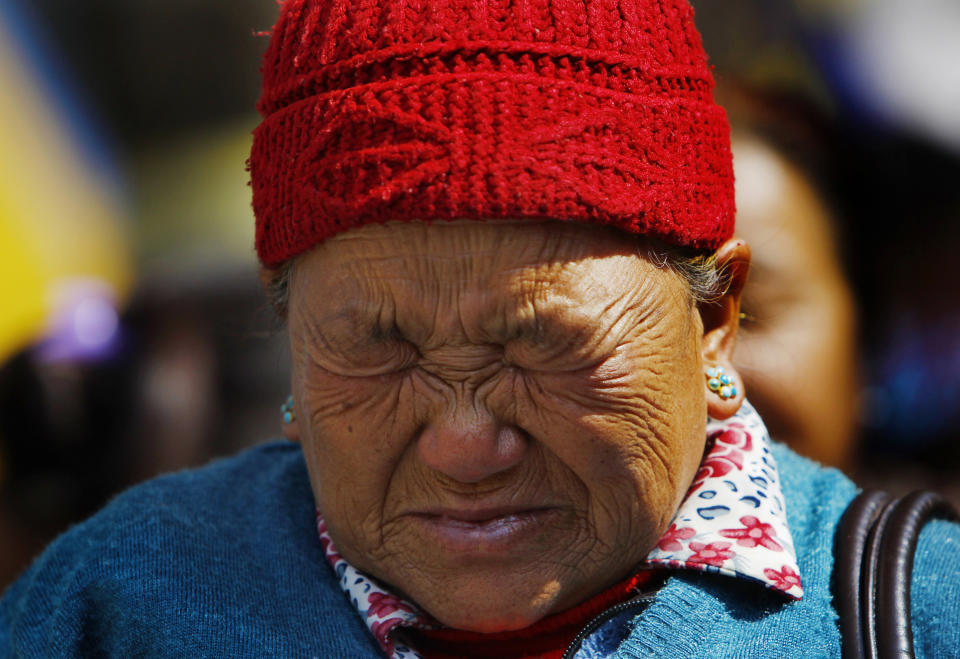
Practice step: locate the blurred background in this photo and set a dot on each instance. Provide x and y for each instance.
(134, 338)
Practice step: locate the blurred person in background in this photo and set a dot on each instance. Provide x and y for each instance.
(503, 243)
(879, 74)
(798, 348)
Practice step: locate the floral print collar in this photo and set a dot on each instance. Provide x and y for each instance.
(732, 522)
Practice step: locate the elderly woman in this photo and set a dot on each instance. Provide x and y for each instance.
(501, 236)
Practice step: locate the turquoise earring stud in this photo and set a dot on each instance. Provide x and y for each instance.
(287, 411)
(720, 383)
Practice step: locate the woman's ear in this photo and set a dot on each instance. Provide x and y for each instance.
(721, 318)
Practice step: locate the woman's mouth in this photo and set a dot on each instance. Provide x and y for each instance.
(484, 533)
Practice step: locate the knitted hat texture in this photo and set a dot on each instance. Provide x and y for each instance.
(597, 111)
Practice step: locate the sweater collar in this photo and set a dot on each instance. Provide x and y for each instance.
(732, 522)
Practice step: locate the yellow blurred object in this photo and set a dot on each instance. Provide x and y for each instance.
(23, 287)
(59, 219)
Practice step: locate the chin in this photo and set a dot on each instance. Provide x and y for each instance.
(490, 622)
(500, 609)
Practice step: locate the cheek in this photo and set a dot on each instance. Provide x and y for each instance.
(632, 431)
(358, 440)
(354, 433)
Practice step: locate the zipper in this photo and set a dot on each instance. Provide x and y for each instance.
(640, 602)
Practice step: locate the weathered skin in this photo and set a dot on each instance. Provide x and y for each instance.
(546, 369)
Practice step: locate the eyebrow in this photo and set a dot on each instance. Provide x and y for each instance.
(550, 321)
(351, 313)
(355, 318)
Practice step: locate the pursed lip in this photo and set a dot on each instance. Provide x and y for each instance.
(482, 532)
(480, 514)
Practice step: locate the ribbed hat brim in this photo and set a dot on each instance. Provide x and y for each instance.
(482, 133)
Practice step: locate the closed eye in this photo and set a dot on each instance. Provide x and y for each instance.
(352, 352)
(557, 348)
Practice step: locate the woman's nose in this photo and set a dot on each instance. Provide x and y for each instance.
(470, 446)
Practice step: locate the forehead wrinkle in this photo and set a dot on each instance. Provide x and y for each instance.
(509, 309)
(451, 300)
(467, 286)
(572, 290)
(557, 295)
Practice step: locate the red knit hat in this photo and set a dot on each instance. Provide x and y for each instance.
(595, 111)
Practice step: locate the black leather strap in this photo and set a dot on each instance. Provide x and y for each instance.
(898, 545)
(869, 578)
(849, 545)
(873, 562)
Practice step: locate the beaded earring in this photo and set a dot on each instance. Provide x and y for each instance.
(720, 383)
(287, 411)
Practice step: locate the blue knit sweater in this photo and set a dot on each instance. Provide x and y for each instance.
(224, 562)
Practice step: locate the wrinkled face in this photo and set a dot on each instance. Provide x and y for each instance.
(499, 419)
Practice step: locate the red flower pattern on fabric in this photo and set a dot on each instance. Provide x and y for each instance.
(381, 631)
(713, 554)
(672, 537)
(725, 454)
(383, 604)
(332, 555)
(784, 579)
(754, 533)
(735, 435)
